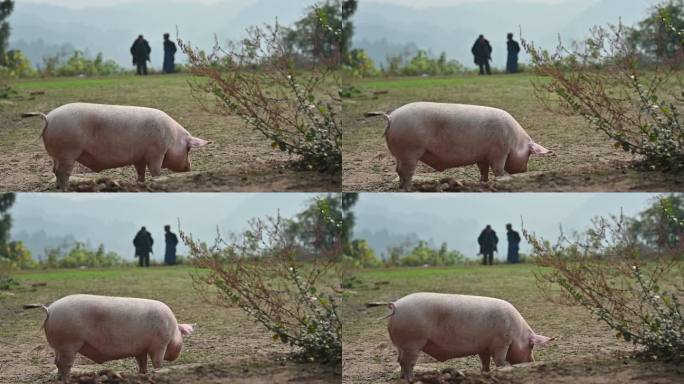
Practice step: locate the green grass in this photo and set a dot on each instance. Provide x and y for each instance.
(66, 83)
(85, 274)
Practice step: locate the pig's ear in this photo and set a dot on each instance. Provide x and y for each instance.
(195, 142)
(185, 329)
(536, 149)
(539, 339)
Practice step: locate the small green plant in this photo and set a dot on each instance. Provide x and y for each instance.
(631, 288)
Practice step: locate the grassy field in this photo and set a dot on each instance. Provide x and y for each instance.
(586, 351)
(227, 346)
(238, 160)
(586, 160)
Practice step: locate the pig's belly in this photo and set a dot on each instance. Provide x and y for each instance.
(441, 162)
(103, 354)
(102, 162)
(443, 351)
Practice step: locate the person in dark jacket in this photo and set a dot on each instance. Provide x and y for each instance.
(169, 55)
(140, 50)
(171, 242)
(513, 244)
(143, 247)
(513, 50)
(488, 242)
(482, 51)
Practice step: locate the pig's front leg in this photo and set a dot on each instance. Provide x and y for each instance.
(141, 168)
(485, 358)
(484, 171)
(155, 165)
(500, 357)
(142, 363)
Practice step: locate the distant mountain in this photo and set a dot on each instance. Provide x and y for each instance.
(453, 29)
(112, 29)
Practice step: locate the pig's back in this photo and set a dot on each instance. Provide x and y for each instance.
(111, 327)
(460, 118)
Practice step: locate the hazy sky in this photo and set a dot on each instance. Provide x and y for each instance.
(100, 3)
(433, 3)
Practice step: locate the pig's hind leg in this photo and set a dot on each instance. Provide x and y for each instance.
(63, 167)
(407, 360)
(406, 167)
(64, 360)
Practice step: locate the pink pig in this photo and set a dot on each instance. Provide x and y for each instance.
(447, 326)
(454, 135)
(105, 328)
(110, 136)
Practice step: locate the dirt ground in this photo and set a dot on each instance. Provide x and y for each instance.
(239, 159)
(585, 160)
(226, 347)
(585, 351)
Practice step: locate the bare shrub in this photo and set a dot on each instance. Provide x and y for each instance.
(633, 289)
(261, 271)
(601, 80)
(290, 100)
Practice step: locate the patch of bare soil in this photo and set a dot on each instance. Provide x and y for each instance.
(602, 371)
(254, 373)
(278, 179)
(615, 176)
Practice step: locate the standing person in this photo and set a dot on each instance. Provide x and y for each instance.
(169, 55)
(488, 242)
(482, 51)
(143, 246)
(513, 50)
(171, 242)
(513, 244)
(140, 50)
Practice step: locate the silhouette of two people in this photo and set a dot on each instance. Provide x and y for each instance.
(488, 242)
(482, 52)
(140, 50)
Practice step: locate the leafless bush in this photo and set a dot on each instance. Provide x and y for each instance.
(260, 272)
(601, 81)
(288, 99)
(609, 272)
